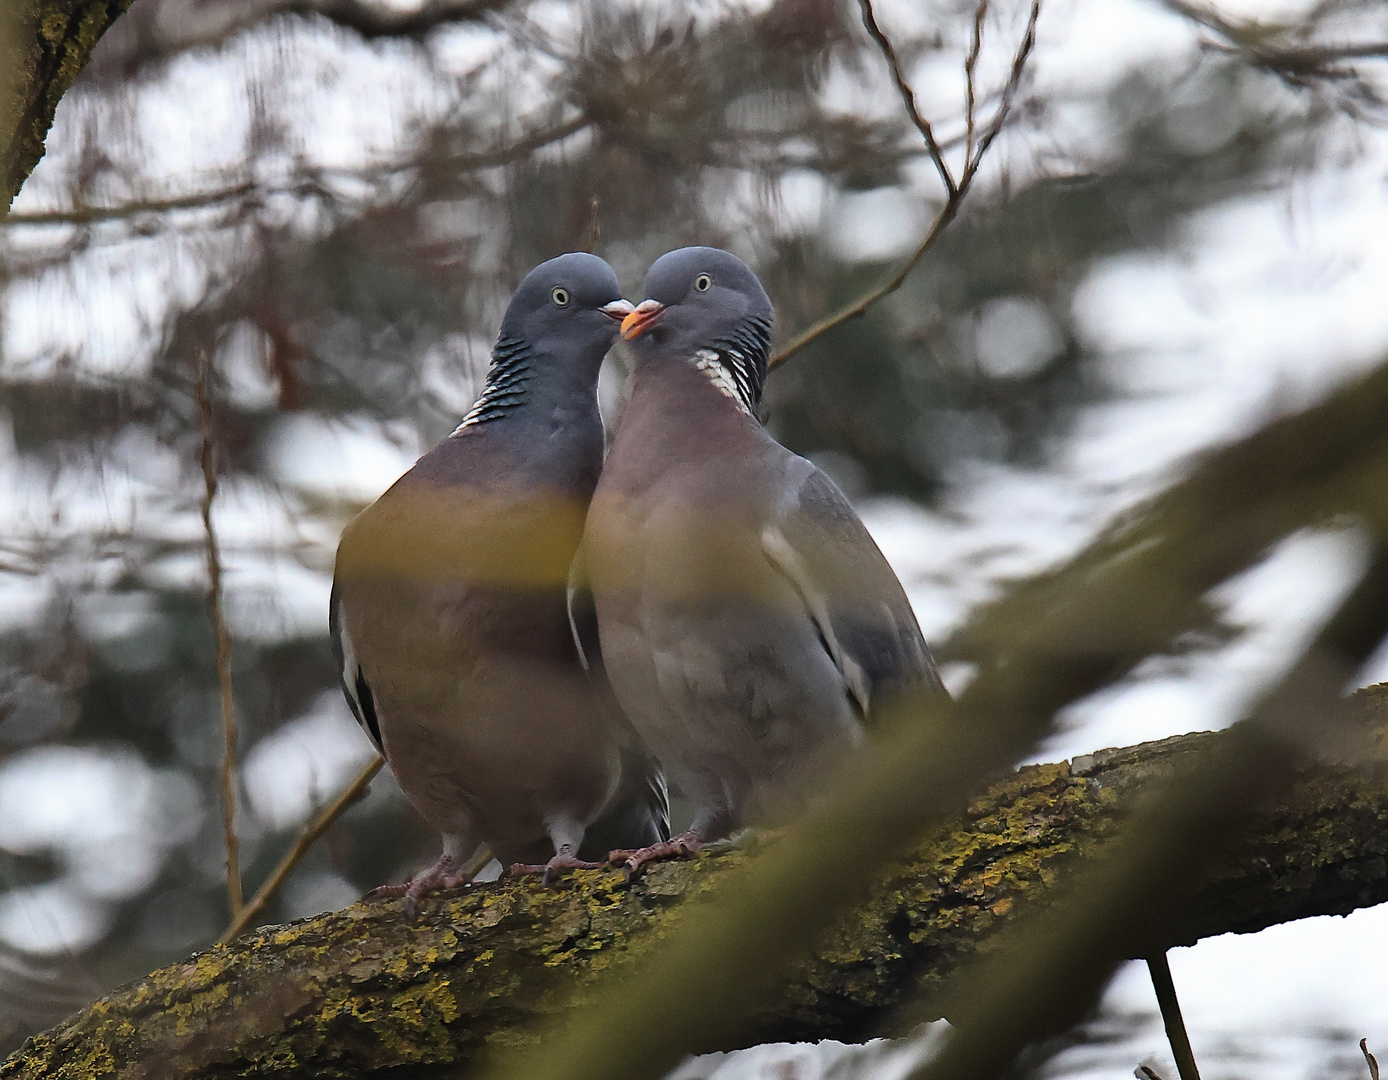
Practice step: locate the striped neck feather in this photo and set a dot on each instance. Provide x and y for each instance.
(504, 391)
(736, 364)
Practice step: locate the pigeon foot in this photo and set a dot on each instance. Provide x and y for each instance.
(444, 874)
(553, 870)
(688, 842)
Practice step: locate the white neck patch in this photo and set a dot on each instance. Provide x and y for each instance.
(708, 361)
(473, 417)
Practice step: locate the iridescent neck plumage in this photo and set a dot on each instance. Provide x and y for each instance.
(736, 363)
(505, 389)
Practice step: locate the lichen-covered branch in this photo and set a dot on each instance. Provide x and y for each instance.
(361, 991)
(43, 45)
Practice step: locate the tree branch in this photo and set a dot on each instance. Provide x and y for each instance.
(203, 393)
(42, 48)
(312, 831)
(956, 191)
(376, 20)
(361, 991)
(908, 96)
(1165, 988)
(315, 182)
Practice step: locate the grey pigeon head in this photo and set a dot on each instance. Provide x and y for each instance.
(572, 300)
(702, 300)
(559, 325)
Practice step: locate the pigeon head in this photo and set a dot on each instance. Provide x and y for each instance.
(706, 306)
(557, 328)
(570, 303)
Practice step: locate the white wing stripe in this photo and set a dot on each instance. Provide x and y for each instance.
(788, 561)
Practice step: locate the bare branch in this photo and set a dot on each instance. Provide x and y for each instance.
(86, 215)
(1165, 988)
(970, 66)
(1009, 92)
(908, 96)
(374, 20)
(223, 638)
(312, 831)
(860, 305)
(956, 193)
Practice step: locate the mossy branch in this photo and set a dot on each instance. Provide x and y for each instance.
(43, 45)
(362, 991)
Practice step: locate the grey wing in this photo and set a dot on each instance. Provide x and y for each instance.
(349, 672)
(820, 545)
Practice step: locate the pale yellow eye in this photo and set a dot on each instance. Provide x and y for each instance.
(560, 296)
(703, 283)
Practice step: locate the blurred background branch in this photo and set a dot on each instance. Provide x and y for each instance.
(322, 184)
(1284, 49)
(955, 189)
(226, 697)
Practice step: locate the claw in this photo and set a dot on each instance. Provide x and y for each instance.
(551, 871)
(677, 847)
(444, 874)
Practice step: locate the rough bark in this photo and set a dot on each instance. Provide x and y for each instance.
(363, 993)
(43, 45)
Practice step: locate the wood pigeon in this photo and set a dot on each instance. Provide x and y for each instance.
(450, 610)
(747, 620)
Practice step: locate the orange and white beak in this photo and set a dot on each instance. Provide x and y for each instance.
(645, 315)
(617, 310)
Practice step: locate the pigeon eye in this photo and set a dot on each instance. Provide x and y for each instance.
(560, 296)
(703, 283)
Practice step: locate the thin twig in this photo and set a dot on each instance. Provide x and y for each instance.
(1009, 92)
(857, 307)
(908, 96)
(1171, 1016)
(219, 630)
(956, 195)
(314, 829)
(970, 67)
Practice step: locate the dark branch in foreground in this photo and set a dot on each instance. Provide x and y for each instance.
(361, 991)
(43, 45)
